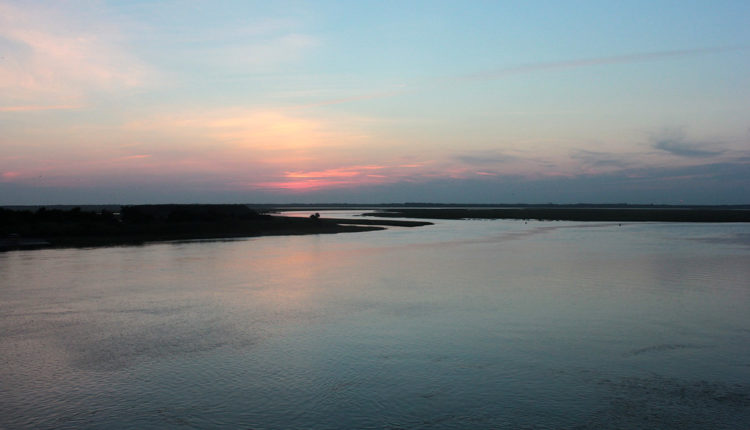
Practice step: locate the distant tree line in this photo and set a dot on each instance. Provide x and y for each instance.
(130, 220)
(188, 213)
(10, 217)
(131, 214)
(44, 227)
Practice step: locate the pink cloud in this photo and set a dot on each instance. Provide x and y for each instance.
(348, 176)
(347, 172)
(10, 175)
(305, 185)
(57, 58)
(136, 157)
(323, 174)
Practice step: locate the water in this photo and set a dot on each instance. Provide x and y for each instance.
(464, 324)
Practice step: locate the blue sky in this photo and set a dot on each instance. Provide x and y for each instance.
(340, 101)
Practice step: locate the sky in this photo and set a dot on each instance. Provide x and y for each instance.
(122, 102)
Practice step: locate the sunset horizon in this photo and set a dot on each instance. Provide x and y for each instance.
(375, 214)
(487, 102)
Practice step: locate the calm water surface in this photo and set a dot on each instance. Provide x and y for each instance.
(464, 324)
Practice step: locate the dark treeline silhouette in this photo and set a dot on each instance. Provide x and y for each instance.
(189, 213)
(145, 223)
(51, 221)
(42, 215)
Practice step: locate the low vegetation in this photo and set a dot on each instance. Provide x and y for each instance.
(45, 228)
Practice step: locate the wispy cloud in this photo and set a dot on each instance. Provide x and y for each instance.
(675, 143)
(54, 58)
(346, 172)
(135, 157)
(599, 159)
(483, 158)
(10, 175)
(246, 54)
(500, 73)
(282, 49)
(306, 185)
(304, 181)
(361, 97)
(596, 61)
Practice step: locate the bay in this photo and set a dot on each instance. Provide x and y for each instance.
(463, 324)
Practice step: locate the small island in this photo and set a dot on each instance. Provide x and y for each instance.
(138, 224)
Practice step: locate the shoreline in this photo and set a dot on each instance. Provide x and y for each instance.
(141, 224)
(87, 235)
(589, 214)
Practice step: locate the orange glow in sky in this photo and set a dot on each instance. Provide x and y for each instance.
(232, 101)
